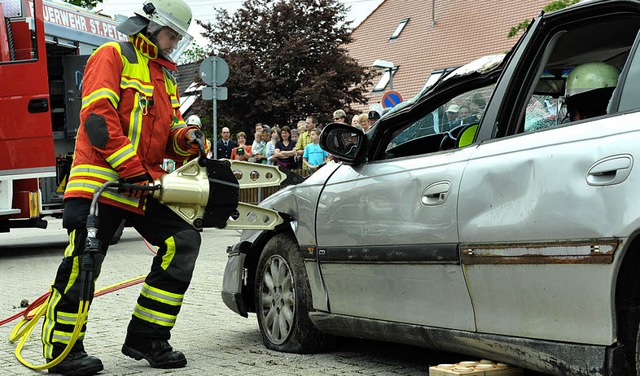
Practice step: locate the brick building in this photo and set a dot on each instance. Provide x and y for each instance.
(422, 37)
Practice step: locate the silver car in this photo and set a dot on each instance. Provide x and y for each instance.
(480, 217)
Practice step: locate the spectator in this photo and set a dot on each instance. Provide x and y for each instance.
(271, 146)
(295, 134)
(242, 152)
(284, 151)
(339, 116)
(355, 120)
(226, 144)
(372, 118)
(314, 157)
(452, 117)
(305, 138)
(364, 121)
(257, 148)
(301, 126)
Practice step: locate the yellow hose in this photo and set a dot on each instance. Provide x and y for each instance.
(22, 331)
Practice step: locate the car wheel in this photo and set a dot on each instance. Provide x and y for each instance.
(283, 299)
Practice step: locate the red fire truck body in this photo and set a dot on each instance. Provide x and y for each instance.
(44, 46)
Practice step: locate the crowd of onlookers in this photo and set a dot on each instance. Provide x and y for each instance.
(294, 147)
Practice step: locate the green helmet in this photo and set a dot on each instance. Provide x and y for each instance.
(174, 14)
(591, 76)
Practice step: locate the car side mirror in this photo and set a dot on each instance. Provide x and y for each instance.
(342, 141)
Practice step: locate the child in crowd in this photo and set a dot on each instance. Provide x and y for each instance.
(314, 157)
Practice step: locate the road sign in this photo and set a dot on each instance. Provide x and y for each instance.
(391, 98)
(221, 93)
(214, 71)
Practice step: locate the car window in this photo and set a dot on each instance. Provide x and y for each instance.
(562, 91)
(630, 89)
(425, 134)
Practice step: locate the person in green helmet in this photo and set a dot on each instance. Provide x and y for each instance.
(130, 120)
(588, 89)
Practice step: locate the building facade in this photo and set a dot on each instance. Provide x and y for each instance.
(424, 38)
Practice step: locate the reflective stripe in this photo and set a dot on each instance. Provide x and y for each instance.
(135, 120)
(68, 318)
(175, 102)
(101, 94)
(72, 244)
(177, 149)
(47, 327)
(65, 337)
(103, 173)
(75, 272)
(161, 296)
(91, 186)
(171, 252)
(132, 83)
(123, 154)
(154, 317)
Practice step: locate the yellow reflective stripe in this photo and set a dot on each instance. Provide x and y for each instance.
(154, 317)
(75, 272)
(65, 337)
(178, 125)
(171, 252)
(135, 121)
(126, 83)
(47, 327)
(161, 296)
(121, 155)
(122, 198)
(102, 93)
(72, 244)
(103, 173)
(178, 149)
(175, 102)
(91, 186)
(68, 318)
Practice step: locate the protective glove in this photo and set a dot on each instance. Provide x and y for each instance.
(133, 186)
(195, 136)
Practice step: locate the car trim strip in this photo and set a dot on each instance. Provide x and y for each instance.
(445, 253)
(590, 251)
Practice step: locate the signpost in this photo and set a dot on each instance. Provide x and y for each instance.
(214, 71)
(391, 98)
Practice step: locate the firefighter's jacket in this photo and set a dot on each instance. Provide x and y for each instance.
(130, 120)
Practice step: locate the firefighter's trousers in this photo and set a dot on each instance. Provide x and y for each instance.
(163, 290)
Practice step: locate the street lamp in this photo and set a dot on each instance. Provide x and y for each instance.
(386, 66)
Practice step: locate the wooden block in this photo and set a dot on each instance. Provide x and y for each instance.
(475, 368)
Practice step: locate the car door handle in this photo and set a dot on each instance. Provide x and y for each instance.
(436, 193)
(611, 170)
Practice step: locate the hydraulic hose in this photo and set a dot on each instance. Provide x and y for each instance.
(87, 269)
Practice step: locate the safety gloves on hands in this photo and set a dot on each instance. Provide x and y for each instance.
(195, 139)
(134, 186)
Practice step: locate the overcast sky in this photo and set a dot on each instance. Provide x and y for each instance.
(203, 9)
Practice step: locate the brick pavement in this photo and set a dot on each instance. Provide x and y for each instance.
(215, 340)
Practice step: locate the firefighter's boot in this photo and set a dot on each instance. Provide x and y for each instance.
(157, 352)
(78, 363)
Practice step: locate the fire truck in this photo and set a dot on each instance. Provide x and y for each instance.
(44, 46)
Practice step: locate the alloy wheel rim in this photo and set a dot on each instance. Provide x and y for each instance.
(277, 299)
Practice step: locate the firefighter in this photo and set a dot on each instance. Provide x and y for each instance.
(589, 88)
(130, 120)
(195, 121)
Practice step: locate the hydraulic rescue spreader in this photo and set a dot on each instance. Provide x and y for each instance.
(204, 192)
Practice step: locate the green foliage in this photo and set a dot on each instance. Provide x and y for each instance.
(89, 4)
(287, 60)
(551, 7)
(194, 53)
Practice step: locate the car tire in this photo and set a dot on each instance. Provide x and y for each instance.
(283, 299)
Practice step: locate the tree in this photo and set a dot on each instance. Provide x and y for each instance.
(89, 4)
(286, 60)
(551, 7)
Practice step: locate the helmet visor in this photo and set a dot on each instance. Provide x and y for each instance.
(181, 47)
